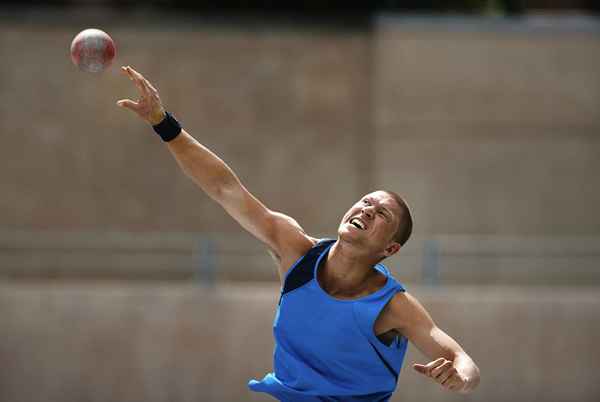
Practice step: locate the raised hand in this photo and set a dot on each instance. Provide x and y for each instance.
(148, 106)
(443, 372)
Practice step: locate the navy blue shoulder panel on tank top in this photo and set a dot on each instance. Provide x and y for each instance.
(303, 270)
(325, 348)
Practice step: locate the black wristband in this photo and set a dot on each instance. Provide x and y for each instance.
(168, 128)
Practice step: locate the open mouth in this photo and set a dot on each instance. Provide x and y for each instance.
(357, 223)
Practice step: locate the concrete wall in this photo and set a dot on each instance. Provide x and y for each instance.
(153, 343)
(437, 261)
(283, 106)
(488, 129)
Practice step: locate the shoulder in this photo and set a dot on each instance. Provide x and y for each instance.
(291, 250)
(290, 238)
(400, 301)
(404, 310)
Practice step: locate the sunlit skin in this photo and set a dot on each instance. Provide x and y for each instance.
(381, 215)
(348, 271)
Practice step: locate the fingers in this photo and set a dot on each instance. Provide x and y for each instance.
(445, 374)
(450, 379)
(454, 382)
(427, 368)
(434, 364)
(149, 106)
(420, 368)
(441, 369)
(137, 75)
(137, 78)
(147, 90)
(128, 104)
(150, 87)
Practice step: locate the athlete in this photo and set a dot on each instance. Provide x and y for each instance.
(343, 322)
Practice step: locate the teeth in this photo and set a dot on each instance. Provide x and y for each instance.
(357, 223)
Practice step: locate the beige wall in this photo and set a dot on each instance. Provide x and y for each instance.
(284, 107)
(154, 343)
(487, 130)
(490, 129)
(491, 134)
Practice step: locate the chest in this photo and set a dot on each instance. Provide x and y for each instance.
(306, 321)
(305, 317)
(304, 310)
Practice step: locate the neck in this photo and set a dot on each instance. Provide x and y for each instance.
(347, 268)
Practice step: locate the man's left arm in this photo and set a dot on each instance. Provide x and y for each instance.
(450, 365)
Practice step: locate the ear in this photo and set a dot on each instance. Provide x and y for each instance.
(391, 249)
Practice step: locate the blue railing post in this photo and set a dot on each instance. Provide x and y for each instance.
(431, 257)
(205, 261)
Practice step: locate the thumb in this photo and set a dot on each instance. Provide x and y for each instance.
(420, 368)
(127, 104)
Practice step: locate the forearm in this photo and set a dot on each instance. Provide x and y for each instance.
(467, 367)
(205, 168)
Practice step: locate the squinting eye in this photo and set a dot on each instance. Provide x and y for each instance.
(366, 202)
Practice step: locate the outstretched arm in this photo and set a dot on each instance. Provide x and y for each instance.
(450, 365)
(282, 234)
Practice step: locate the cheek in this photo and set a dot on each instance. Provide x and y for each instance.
(345, 217)
(350, 213)
(385, 228)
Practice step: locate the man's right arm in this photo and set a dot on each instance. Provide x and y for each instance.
(282, 234)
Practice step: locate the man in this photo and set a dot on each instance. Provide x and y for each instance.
(343, 321)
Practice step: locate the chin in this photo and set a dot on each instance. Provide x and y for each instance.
(350, 236)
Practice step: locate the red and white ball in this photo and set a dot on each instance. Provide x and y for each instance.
(93, 50)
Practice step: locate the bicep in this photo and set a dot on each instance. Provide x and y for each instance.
(284, 237)
(416, 324)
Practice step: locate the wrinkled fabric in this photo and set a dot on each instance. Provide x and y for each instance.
(325, 348)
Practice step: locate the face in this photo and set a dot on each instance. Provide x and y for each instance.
(372, 222)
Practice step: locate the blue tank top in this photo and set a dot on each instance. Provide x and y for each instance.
(325, 348)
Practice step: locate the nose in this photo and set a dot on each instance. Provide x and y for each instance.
(368, 211)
